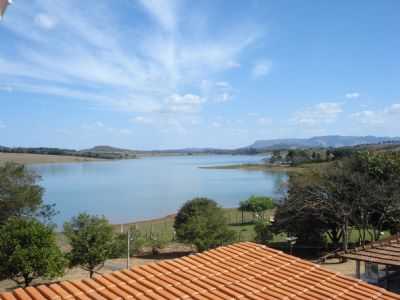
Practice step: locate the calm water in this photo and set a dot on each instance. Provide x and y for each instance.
(145, 188)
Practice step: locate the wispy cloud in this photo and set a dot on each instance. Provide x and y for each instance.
(2, 125)
(261, 68)
(264, 121)
(76, 51)
(353, 95)
(45, 21)
(322, 113)
(387, 116)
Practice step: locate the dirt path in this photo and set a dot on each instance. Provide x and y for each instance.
(170, 252)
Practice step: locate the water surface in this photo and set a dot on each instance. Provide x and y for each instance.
(129, 190)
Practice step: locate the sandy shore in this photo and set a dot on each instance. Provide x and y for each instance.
(25, 158)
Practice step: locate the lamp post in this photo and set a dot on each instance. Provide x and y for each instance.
(292, 241)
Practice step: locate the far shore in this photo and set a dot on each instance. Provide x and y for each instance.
(27, 158)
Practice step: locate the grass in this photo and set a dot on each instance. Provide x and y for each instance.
(164, 227)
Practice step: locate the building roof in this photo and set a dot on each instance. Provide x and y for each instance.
(240, 271)
(385, 252)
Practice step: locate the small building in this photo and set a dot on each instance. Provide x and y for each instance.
(381, 261)
(239, 271)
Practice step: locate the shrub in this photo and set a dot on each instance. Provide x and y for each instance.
(202, 222)
(263, 232)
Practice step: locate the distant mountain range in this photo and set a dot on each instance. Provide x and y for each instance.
(109, 152)
(329, 141)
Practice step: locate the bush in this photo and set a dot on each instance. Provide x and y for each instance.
(263, 232)
(202, 222)
(28, 250)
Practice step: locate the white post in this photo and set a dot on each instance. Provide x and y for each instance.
(129, 246)
(358, 273)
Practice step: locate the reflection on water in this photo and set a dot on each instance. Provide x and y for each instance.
(150, 187)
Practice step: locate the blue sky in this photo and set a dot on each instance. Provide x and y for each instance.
(148, 74)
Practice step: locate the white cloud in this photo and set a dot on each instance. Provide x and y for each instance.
(220, 91)
(125, 131)
(142, 120)
(223, 84)
(264, 121)
(163, 11)
(232, 64)
(2, 125)
(89, 58)
(325, 112)
(393, 109)
(187, 103)
(216, 124)
(45, 21)
(368, 117)
(353, 95)
(386, 116)
(261, 68)
(224, 97)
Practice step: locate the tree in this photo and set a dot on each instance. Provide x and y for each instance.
(359, 192)
(19, 193)
(202, 222)
(28, 250)
(92, 242)
(258, 205)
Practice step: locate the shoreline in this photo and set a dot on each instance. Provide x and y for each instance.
(31, 159)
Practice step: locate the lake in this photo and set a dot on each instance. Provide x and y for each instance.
(130, 190)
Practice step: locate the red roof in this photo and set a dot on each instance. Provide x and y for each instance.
(240, 271)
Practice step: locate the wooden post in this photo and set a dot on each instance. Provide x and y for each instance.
(358, 273)
(386, 277)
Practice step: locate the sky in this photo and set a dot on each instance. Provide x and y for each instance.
(163, 74)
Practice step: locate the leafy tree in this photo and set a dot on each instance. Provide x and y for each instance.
(264, 234)
(92, 241)
(258, 205)
(202, 222)
(28, 250)
(19, 193)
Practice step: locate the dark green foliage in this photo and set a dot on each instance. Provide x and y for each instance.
(92, 241)
(264, 233)
(202, 222)
(360, 192)
(19, 193)
(28, 250)
(137, 241)
(297, 156)
(257, 205)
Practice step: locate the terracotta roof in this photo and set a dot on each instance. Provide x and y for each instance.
(385, 252)
(240, 271)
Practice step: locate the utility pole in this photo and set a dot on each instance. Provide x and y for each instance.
(129, 248)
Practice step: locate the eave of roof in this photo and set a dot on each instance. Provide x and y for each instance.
(240, 271)
(385, 252)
